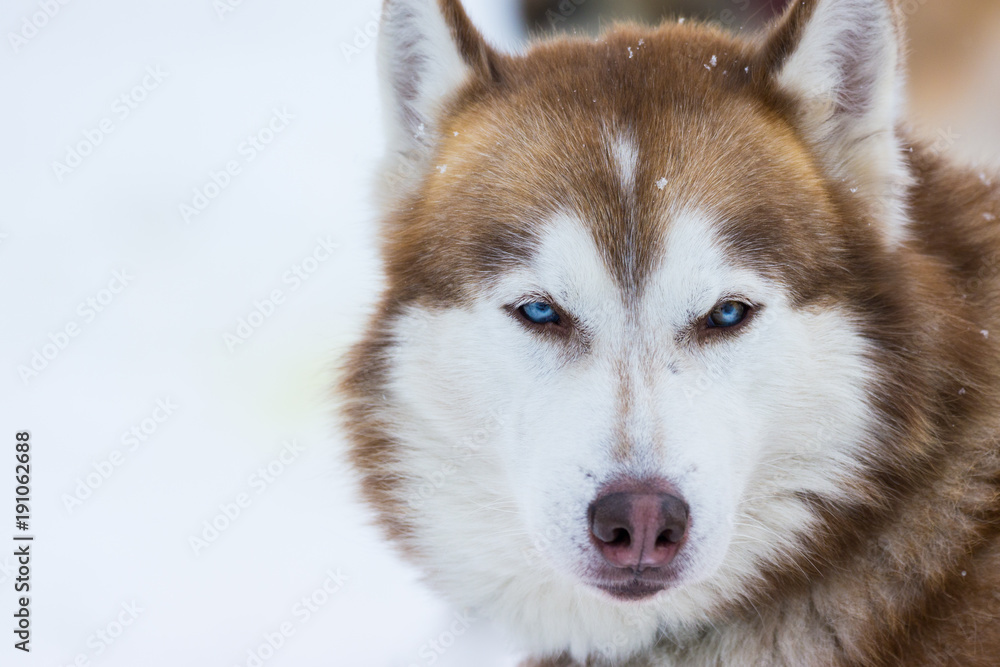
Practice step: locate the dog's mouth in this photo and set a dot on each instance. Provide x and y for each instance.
(631, 591)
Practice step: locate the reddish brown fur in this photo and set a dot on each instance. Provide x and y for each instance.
(910, 572)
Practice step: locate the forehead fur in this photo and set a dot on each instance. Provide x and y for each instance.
(624, 132)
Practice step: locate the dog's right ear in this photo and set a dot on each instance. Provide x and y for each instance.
(427, 50)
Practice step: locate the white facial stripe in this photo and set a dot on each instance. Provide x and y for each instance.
(626, 157)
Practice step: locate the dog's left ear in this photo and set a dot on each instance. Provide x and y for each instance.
(841, 61)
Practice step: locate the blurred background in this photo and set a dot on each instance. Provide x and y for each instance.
(186, 252)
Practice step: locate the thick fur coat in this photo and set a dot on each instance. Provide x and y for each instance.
(838, 450)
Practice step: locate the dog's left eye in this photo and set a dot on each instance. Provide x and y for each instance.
(540, 312)
(728, 314)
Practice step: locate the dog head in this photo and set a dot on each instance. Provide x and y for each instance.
(642, 310)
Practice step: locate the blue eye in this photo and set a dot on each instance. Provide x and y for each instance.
(540, 313)
(728, 314)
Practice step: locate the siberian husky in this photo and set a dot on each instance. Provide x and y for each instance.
(688, 351)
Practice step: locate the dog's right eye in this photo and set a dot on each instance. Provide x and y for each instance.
(728, 314)
(539, 312)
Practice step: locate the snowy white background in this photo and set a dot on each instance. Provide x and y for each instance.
(63, 236)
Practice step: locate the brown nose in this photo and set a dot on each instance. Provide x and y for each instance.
(638, 530)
